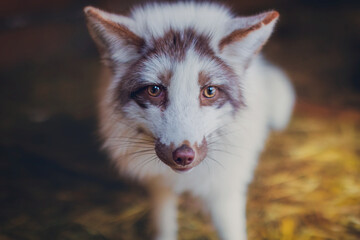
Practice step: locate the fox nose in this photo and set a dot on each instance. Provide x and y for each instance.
(183, 155)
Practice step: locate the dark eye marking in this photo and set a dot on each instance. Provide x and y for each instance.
(150, 94)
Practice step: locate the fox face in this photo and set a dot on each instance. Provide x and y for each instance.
(180, 92)
(178, 85)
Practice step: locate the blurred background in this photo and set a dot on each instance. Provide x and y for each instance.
(56, 184)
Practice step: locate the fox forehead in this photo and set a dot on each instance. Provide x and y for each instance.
(156, 19)
(182, 60)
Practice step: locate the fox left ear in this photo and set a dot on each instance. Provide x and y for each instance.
(114, 35)
(246, 36)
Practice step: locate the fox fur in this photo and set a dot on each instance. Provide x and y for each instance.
(185, 52)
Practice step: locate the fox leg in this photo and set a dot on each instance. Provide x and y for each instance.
(164, 213)
(228, 212)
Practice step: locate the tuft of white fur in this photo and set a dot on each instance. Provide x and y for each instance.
(155, 19)
(221, 179)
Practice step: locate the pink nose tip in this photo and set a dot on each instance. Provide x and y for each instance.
(183, 155)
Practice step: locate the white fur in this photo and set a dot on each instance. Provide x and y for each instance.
(156, 19)
(221, 179)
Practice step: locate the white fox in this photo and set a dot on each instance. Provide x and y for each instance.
(187, 104)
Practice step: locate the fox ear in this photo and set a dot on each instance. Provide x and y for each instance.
(113, 35)
(246, 36)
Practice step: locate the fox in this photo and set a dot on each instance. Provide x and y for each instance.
(186, 104)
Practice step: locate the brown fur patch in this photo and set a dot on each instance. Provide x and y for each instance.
(186, 142)
(203, 79)
(239, 34)
(270, 17)
(201, 150)
(175, 44)
(165, 77)
(164, 152)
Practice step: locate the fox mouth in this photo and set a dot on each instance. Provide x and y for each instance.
(183, 170)
(180, 168)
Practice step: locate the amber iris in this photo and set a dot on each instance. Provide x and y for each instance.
(209, 92)
(154, 91)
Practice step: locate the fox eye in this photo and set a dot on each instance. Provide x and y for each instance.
(154, 90)
(209, 92)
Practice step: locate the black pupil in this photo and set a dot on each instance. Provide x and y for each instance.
(154, 90)
(211, 90)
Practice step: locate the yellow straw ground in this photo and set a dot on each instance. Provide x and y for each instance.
(307, 184)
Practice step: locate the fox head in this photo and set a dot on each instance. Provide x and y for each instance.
(177, 73)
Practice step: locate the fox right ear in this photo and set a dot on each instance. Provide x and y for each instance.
(113, 36)
(246, 36)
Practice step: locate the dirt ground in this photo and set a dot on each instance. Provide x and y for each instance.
(56, 184)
